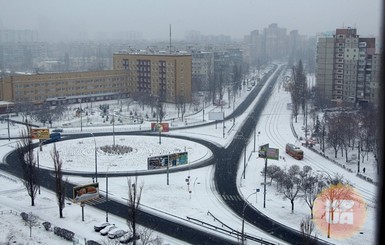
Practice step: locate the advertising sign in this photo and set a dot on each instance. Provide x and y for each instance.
(262, 150)
(272, 153)
(157, 162)
(162, 127)
(172, 160)
(178, 159)
(216, 115)
(84, 193)
(40, 133)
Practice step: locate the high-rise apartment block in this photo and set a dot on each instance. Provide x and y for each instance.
(166, 76)
(347, 67)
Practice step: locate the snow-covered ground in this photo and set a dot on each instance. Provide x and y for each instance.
(175, 200)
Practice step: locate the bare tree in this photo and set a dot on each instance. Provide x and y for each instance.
(60, 184)
(147, 237)
(307, 227)
(10, 239)
(30, 220)
(181, 106)
(28, 163)
(271, 172)
(25, 108)
(298, 89)
(334, 133)
(48, 114)
(311, 186)
(334, 196)
(348, 131)
(291, 184)
(134, 195)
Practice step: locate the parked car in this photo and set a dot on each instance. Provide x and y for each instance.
(106, 229)
(101, 226)
(116, 233)
(57, 130)
(127, 238)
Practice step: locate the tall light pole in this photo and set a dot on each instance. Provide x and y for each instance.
(113, 128)
(330, 218)
(107, 193)
(243, 217)
(96, 159)
(244, 160)
(264, 184)
(204, 98)
(241, 137)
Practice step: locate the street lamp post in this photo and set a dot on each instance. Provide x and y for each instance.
(255, 133)
(244, 161)
(204, 98)
(243, 217)
(330, 207)
(96, 159)
(258, 138)
(264, 184)
(107, 196)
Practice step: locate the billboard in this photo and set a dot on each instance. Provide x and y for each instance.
(171, 160)
(39, 133)
(162, 127)
(216, 115)
(272, 153)
(82, 193)
(262, 150)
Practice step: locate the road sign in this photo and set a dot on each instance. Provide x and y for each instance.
(262, 150)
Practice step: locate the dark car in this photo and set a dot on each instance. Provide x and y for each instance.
(57, 130)
(101, 226)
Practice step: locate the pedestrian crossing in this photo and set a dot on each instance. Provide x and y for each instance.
(231, 197)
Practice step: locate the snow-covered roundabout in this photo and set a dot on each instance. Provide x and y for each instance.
(79, 155)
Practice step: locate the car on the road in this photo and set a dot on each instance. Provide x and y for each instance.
(101, 226)
(116, 233)
(106, 229)
(57, 130)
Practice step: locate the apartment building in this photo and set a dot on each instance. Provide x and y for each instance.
(38, 88)
(166, 76)
(202, 69)
(345, 67)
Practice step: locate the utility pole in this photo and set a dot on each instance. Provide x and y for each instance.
(107, 196)
(264, 184)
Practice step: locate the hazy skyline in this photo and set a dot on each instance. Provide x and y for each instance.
(74, 19)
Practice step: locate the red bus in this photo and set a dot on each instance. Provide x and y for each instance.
(294, 151)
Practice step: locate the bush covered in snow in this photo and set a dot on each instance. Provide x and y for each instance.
(116, 149)
(66, 234)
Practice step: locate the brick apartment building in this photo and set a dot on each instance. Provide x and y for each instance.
(161, 75)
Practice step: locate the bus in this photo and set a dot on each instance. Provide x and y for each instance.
(53, 137)
(294, 151)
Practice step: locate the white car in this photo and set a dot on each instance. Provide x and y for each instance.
(116, 233)
(101, 226)
(105, 230)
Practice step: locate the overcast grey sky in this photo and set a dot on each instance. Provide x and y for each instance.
(69, 18)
